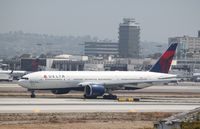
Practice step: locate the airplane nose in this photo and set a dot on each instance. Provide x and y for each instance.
(23, 83)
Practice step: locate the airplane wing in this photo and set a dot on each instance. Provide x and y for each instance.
(141, 81)
(107, 84)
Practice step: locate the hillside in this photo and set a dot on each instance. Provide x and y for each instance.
(18, 43)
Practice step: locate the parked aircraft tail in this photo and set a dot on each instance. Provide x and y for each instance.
(164, 62)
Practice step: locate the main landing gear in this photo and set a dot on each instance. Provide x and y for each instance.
(110, 96)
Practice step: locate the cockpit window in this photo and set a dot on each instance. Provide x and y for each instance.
(25, 78)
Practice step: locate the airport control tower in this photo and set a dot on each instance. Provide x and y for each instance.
(129, 38)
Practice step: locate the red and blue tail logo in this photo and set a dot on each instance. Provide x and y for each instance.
(164, 63)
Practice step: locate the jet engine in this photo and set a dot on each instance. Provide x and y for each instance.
(92, 91)
(60, 91)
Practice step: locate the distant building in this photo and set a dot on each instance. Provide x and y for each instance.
(101, 49)
(32, 64)
(68, 65)
(115, 67)
(66, 62)
(187, 54)
(63, 62)
(119, 64)
(129, 38)
(189, 47)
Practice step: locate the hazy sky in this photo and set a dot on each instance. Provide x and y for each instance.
(159, 19)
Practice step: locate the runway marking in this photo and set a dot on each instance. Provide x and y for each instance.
(36, 110)
(132, 110)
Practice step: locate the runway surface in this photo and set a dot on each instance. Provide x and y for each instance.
(27, 105)
(162, 98)
(182, 87)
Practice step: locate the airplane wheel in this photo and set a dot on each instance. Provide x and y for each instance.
(90, 97)
(32, 94)
(114, 97)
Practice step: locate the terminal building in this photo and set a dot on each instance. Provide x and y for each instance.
(129, 38)
(66, 62)
(63, 62)
(187, 53)
(187, 57)
(103, 49)
(67, 65)
(189, 47)
(32, 64)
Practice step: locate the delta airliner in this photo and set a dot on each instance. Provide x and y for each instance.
(97, 83)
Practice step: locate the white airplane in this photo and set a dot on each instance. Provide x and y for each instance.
(96, 83)
(10, 74)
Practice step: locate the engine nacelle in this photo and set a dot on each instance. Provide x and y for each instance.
(92, 91)
(60, 91)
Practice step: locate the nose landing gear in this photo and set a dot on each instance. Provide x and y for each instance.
(32, 93)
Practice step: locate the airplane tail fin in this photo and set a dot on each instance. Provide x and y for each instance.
(164, 62)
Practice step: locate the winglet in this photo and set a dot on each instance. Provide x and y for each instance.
(164, 62)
